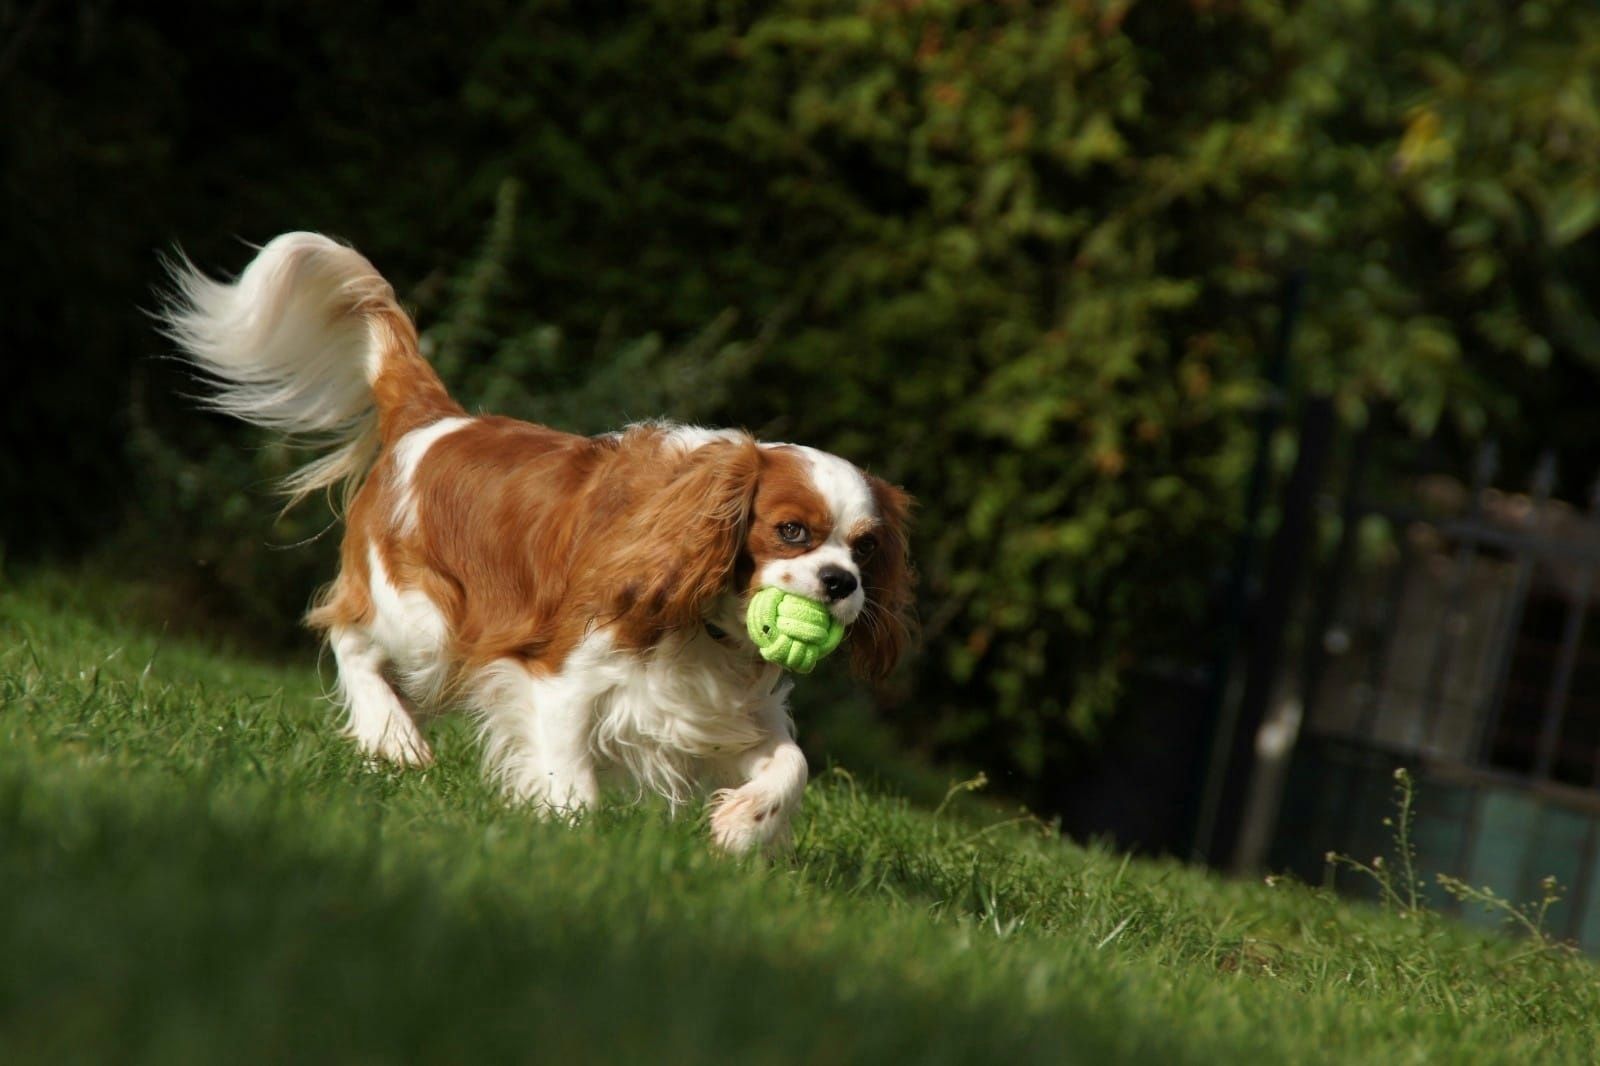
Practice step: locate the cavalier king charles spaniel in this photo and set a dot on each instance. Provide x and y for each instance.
(582, 597)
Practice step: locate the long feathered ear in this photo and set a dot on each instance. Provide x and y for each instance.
(688, 536)
(885, 628)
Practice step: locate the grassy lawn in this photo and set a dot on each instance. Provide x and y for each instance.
(194, 867)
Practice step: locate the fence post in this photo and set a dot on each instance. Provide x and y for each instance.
(1544, 479)
(1218, 719)
(1571, 639)
(1446, 634)
(1280, 593)
(1314, 656)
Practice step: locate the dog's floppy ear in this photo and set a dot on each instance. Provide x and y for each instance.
(884, 629)
(685, 541)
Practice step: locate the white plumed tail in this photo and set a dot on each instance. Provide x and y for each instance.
(290, 345)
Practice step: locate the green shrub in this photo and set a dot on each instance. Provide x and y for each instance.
(1021, 258)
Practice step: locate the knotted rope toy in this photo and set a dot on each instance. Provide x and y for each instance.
(790, 630)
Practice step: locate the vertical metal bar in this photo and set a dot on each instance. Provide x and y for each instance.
(1543, 481)
(1469, 839)
(1571, 639)
(1447, 634)
(1594, 778)
(1383, 646)
(1221, 710)
(1583, 884)
(1281, 577)
(1315, 654)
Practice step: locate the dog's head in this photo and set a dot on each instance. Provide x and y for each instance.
(742, 516)
(824, 529)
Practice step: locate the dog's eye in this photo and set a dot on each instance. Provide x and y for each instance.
(792, 532)
(864, 547)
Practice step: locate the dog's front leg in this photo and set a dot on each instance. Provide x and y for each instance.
(756, 814)
(538, 736)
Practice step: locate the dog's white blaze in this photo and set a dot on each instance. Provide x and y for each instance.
(843, 486)
(850, 503)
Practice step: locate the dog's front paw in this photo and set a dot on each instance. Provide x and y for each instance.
(401, 743)
(558, 794)
(744, 819)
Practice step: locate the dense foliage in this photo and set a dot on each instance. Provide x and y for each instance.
(1022, 258)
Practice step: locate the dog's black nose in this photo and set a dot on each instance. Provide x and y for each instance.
(837, 582)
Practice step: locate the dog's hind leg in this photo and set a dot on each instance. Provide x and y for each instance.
(378, 722)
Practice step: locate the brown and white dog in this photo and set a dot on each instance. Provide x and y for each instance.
(582, 597)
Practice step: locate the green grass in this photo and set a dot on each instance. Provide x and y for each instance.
(194, 867)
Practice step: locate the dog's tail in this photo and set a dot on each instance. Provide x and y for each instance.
(311, 342)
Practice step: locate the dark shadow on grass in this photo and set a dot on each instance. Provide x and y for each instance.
(169, 934)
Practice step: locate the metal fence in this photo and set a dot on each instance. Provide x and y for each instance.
(1471, 659)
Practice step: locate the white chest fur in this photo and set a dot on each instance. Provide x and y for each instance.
(687, 701)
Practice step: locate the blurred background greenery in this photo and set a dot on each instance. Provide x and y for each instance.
(1023, 258)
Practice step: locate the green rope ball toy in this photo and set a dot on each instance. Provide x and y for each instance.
(792, 631)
